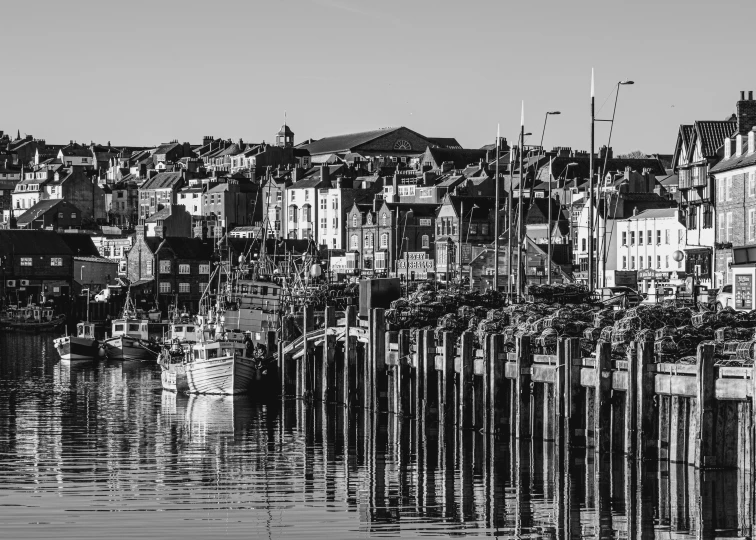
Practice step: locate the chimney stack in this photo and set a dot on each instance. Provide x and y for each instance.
(746, 113)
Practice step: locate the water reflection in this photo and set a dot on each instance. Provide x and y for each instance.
(97, 448)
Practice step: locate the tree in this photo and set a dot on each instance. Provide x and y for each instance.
(635, 154)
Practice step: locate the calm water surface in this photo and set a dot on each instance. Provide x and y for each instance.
(97, 449)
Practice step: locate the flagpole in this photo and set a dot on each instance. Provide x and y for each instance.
(496, 219)
(520, 207)
(509, 223)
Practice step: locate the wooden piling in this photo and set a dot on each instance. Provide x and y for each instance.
(523, 361)
(426, 360)
(630, 435)
(705, 456)
(346, 373)
(392, 372)
(308, 325)
(645, 419)
(326, 367)
(419, 378)
(465, 386)
(405, 374)
(445, 369)
(602, 415)
(574, 394)
(496, 381)
(377, 355)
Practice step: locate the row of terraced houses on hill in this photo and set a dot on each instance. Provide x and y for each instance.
(391, 202)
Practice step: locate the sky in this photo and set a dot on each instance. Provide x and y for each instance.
(145, 72)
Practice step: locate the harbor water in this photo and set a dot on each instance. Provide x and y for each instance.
(96, 449)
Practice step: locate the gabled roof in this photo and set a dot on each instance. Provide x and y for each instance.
(81, 244)
(344, 143)
(445, 142)
(38, 210)
(654, 213)
(165, 148)
(460, 157)
(163, 180)
(712, 134)
(160, 214)
(76, 150)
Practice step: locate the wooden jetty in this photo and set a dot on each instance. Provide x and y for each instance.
(700, 415)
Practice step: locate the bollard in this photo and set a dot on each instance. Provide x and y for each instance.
(645, 418)
(602, 416)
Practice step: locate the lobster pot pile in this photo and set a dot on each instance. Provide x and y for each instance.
(561, 293)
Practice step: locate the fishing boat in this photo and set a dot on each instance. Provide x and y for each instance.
(129, 337)
(32, 318)
(82, 346)
(221, 367)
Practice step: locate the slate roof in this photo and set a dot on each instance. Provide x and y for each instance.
(712, 134)
(39, 209)
(460, 157)
(81, 244)
(76, 150)
(735, 162)
(654, 213)
(344, 143)
(95, 259)
(189, 248)
(445, 142)
(165, 148)
(160, 214)
(22, 242)
(163, 180)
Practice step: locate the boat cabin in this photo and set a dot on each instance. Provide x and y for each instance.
(185, 332)
(217, 349)
(85, 330)
(136, 328)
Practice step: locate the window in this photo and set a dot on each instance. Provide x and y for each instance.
(60, 215)
(307, 195)
(149, 268)
(26, 261)
(632, 238)
(721, 227)
(165, 286)
(666, 261)
(640, 238)
(323, 223)
(708, 217)
(649, 237)
(456, 231)
(679, 236)
(472, 228)
(624, 238)
(384, 219)
(384, 240)
(183, 268)
(666, 236)
(649, 262)
(353, 242)
(335, 204)
(584, 244)
(624, 262)
(728, 189)
(368, 240)
(202, 286)
(323, 204)
(693, 218)
(292, 214)
(306, 213)
(729, 226)
(355, 221)
(640, 262)
(204, 269)
(335, 223)
(658, 261)
(184, 287)
(484, 228)
(426, 241)
(751, 216)
(165, 267)
(56, 261)
(73, 215)
(752, 184)
(658, 236)
(632, 263)
(293, 196)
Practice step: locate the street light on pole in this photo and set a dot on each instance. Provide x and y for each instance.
(544, 124)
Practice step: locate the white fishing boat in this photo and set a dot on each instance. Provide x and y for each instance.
(82, 346)
(129, 337)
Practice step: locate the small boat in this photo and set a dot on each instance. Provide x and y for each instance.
(82, 346)
(31, 318)
(222, 367)
(129, 337)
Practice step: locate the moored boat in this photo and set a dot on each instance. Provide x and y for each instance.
(82, 346)
(31, 318)
(129, 337)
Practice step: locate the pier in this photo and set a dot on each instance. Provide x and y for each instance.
(508, 384)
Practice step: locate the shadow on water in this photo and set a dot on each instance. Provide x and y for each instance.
(96, 448)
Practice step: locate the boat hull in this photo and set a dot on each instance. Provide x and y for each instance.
(227, 375)
(173, 378)
(127, 348)
(76, 348)
(32, 327)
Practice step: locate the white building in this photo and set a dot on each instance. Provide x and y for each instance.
(647, 242)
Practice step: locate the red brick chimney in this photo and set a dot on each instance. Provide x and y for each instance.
(745, 112)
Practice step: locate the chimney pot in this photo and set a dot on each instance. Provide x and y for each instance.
(750, 95)
(742, 95)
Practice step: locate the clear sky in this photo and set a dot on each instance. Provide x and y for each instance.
(143, 72)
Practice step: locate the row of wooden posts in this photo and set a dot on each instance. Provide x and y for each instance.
(700, 414)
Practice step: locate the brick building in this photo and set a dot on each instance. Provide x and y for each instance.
(50, 214)
(158, 192)
(735, 183)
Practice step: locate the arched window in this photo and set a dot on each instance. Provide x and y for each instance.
(306, 213)
(353, 242)
(384, 219)
(384, 240)
(426, 241)
(293, 213)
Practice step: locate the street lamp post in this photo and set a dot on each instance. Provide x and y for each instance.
(543, 133)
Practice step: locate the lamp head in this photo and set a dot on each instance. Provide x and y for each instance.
(554, 112)
(572, 165)
(627, 82)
